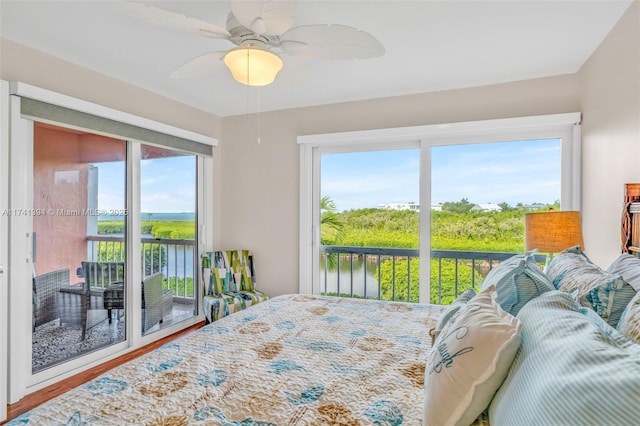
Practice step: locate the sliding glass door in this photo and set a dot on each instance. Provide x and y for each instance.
(88, 225)
(467, 170)
(78, 251)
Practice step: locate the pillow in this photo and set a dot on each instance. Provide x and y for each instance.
(607, 294)
(571, 369)
(629, 267)
(517, 280)
(471, 358)
(629, 323)
(453, 308)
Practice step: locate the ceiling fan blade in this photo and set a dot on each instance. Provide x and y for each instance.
(268, 17)
(330, 42)
(199, 66)
(167, 19)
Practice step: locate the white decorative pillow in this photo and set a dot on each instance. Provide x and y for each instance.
(470, 360)
(451, 311)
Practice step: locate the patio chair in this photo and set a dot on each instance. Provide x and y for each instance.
(45, 290)
(98, 276)
(156, 301)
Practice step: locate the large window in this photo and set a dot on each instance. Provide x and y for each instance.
(461, 165)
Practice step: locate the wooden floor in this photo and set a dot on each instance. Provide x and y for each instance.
(43, 395)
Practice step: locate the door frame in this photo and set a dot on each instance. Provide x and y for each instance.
(4, 243)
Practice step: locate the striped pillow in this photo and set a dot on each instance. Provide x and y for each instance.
(607, 294)
(570, 370)
(518, 280)
(629, 323)
(629, 267)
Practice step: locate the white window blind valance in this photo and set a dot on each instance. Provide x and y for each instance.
(42, 105)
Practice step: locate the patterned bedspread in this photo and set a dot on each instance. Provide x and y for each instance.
(292, 360)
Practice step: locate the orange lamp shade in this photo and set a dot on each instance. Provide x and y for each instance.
(552, 232)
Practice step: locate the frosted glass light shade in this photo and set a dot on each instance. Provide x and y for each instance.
(552, 232)
(253, 66)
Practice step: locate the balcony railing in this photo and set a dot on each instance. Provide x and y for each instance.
(175, 258)
(392, 273)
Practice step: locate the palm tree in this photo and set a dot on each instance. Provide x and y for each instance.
(331, 228)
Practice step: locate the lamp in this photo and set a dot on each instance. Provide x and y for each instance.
(551, 232)
(252, 65)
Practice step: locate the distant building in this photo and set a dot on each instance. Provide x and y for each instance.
(486, 208)
(436, 207)
(400, 206)
(535, 206)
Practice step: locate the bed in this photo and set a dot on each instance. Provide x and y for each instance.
(291, 360)
(533, 347)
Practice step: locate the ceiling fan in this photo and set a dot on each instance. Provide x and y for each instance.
(261, 30)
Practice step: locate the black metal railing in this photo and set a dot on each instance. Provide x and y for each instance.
(393, 273)
(175, 258)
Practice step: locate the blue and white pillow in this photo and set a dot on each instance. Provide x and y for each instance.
(571, 369)
(606, 293)
(629, 267)
(629, 323)
(517, 280)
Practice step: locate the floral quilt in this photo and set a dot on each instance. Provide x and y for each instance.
(292, 360)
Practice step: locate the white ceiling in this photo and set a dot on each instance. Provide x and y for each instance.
(430, 46)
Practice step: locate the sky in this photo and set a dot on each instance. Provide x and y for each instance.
(513, 172)
(168, 185)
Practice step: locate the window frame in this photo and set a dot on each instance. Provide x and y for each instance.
(561, 126)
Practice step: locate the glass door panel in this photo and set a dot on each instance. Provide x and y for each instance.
(168, 230)
(78, 244)
(369, 224)
(479, 195)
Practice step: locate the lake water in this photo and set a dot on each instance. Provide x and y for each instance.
(358, 280)
(180, 260)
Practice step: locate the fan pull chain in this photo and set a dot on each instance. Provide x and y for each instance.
(259, 113)
(259, 101)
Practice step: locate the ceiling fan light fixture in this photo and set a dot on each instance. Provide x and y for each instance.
(253, 66)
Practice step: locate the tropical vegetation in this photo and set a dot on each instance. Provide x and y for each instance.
(455, 227)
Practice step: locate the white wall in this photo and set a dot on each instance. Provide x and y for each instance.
(20, 63)
(610, 101)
